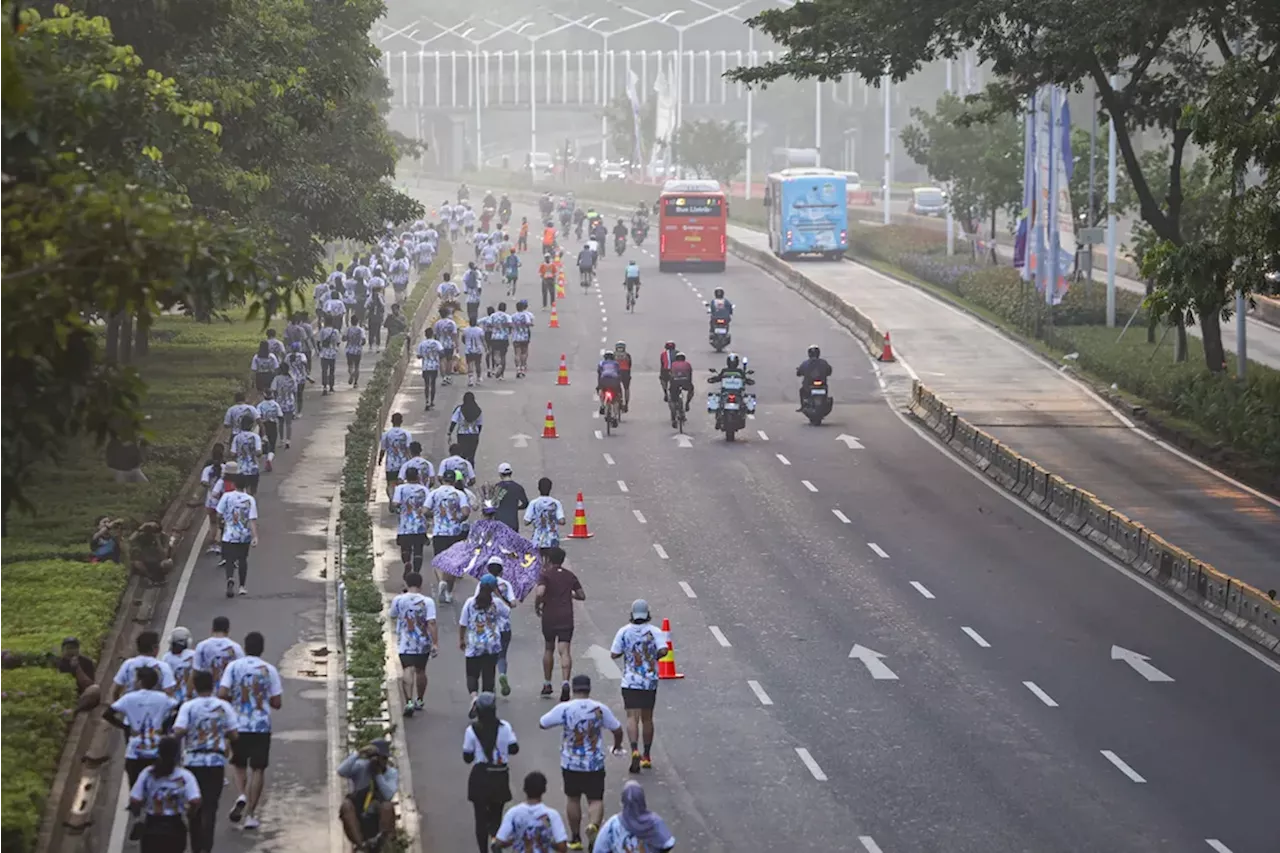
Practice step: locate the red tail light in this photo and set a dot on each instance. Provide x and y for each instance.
(844, 236)
(817, 382)
(722, 244)
(608, 396)
(733, 398)
(720, 321)
(662, 243)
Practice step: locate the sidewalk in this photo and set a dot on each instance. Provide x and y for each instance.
(1048, 417)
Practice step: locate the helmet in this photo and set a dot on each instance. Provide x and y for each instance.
(522, 304)
(669, 345)
(180, 637)
(620, 346)
(608, 356)
(719, 293)
(586, 247)
(640, 610)
(486, 701)
(631, 262)
(547, 256)
(680, 356)
(814, 351)
(620, 222)
(732, 361)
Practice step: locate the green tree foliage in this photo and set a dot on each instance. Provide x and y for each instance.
(1167, 56)
(712, 149)
(622, 127)
(206, 178)
(980, 162)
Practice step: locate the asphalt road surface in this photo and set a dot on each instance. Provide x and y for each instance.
(882, 651)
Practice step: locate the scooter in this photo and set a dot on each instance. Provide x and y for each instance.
(817, 402)
(732, 403)
(619, 244)
(638, 233)
(719, 336)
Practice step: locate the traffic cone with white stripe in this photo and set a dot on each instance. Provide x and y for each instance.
(562, 377)
(555, 318)
(549, 424)
(580, 521)
(667, 663)
(560, 285)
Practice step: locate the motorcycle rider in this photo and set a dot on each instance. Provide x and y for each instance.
(600, 233)
(579, 217)
(608, 376)
(665, 358)
(620, 232)
(720, 308)
(623, 358)
(813, 367)
(586, 263)
(489, 200)
(504, 208)
(592, 217)
(464, 192)
(734, 367)
(681, 379)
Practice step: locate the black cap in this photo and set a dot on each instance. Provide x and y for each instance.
(581, 683)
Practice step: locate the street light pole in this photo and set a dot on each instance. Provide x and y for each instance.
(886, 82)
(951, 217)
(751, 97)
(1111, 216)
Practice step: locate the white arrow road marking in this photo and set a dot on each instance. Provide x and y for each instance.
(1140, 663)
(719, 635)
(688, 590)
(976, 637)
(762, 435)
(639, 516)
(683, 440)
(869, 844)
(604, 662)
(874, 662)
(883, 554)
(811, 764)
(1122, 767)
(840, 515)
(1040, 694)
(810, 486)
(609, 461)
(922, 589)
(662, 552)
(521, 440)
(850, 442)
(760, 694)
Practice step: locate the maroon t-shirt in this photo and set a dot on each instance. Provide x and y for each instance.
(557, 603)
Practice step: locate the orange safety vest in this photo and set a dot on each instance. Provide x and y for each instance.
(548, 236)
(524, 229)
(547, 270)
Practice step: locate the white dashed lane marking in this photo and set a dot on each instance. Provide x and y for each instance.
(810, 486)
(811, 764)
(760, 694)
(976, 637)
(609, 461)
(639, 516)
(662, 552)
(840, 515)
(1041, 695)
(719, 635)
(869, 844)
(1123, 767)
(784, 460)
(879, 551)
(922, 589)
(762, 435)
(622, 486)
(599, 435)
(688, 590)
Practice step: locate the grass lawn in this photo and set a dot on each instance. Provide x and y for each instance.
(49, 592)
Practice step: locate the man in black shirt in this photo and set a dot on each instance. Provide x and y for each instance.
(510, 497)
(83, 670)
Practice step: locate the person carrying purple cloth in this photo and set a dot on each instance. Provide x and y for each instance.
(491, 538)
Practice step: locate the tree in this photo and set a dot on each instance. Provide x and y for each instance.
(980, 162)
(712, 149)
(622, 127)
(1167, 55)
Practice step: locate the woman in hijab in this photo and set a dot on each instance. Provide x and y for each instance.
(487, 747)
(635, 827)
(468, 420)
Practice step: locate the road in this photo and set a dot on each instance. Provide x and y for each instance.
(1016, 717)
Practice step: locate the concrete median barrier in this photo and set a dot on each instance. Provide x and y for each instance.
(1037, 493)
(1213, 586)
(1097, 520)
(1153, 557)
(1123, 537)
(1059, 503)
(962, 439)
(1258, 613)
(1004, 466)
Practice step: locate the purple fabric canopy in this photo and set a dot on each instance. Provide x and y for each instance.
(521, 565)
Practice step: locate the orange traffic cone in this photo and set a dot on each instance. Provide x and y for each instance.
(886, 354)
(667, 663)
(580, 521)
(560, 287)
(549, 425)
(562, 378)
(555, 318)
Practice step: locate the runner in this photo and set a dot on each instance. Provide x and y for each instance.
(473, 348)
(480, 638)
(430, 352)
(449, 508)
(143, 715)
(546, 514)
(447, 334)
(214, 652)
(328, 341)
(499, 334)
(181, 660)
(235, 414)
(487, 745)
(284, 389)
(426, 473)
(639, 645)
(454, 463)
(253, 688)
(394, 448)
(554, 595)
(164, 795)
(414, 617)
(239, 513)
(246, 447)
(468, 420)
(408, 502)
(356, 339)
(206, 725)
(521, 333)
(582, 756)
(635, 827)
(507, 595)
(270, 414)
(472, 286)
(533, 826)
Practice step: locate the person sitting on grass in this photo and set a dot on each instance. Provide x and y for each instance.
(83, 670)
(104, 544)
(151, 552)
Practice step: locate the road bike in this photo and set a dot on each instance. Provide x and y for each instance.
(675, 401)
(633, 288)
(612, 411)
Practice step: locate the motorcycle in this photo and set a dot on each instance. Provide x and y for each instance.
(817, 403)
(638, 233)
(619, 244)
(504, 216)
(720, 337)
(463, 193)
(731, 404)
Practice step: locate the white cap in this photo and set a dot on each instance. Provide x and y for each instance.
(504, 468)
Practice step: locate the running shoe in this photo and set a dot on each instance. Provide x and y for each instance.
(231, 588)
(409, 708)
(575, 844)
(244, 590)
(252, 822)
(503, 685)
(237, 811)
(417, 704)
(440, 591)
(635, 761)
(564, 692)
(546, 690)
(646, 763)
(592, 832)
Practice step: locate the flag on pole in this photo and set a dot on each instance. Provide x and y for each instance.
(634, 97)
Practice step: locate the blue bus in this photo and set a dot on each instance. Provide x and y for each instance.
(807, 213)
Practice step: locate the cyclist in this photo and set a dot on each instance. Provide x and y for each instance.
(599, 233)
(547, 272)
(631, 281)
(608, 376)
(665, 358)
(579, 217)
(566, 215)
(681, 380)
(623, 358)
(586, 264)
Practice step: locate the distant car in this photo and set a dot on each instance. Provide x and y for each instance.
(541, 163)
(852, 182)
(612, 172)
(928, 201)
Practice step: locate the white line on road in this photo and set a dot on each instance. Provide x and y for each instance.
(762, 435)
(719, 635)
(810, 486)
(922, 589)
(884, 555)
(976, 637)
(604, 340)
(1217, 845)
(639, 516)
(609, 461)
(662, 552)
(688, 590)
(784, 460)
(599, 435)
(760, 694)
(869, 844)
(840, 515)
(622, 485)
(1122, 767)
(811, 764)
(1040, 694)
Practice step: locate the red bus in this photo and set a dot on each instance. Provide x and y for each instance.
(691, 225)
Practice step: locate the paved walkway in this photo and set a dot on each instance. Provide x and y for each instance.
(1025, 402)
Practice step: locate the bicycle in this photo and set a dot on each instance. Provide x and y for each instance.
(612, 411)
(586, 275)
(633, 288)
(675, 401)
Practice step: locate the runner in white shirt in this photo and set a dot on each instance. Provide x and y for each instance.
(531, 827)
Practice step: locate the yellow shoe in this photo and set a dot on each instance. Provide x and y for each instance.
(592, 832)
(646, 763)
(575, 845)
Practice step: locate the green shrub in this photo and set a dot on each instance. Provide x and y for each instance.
(36, 706)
